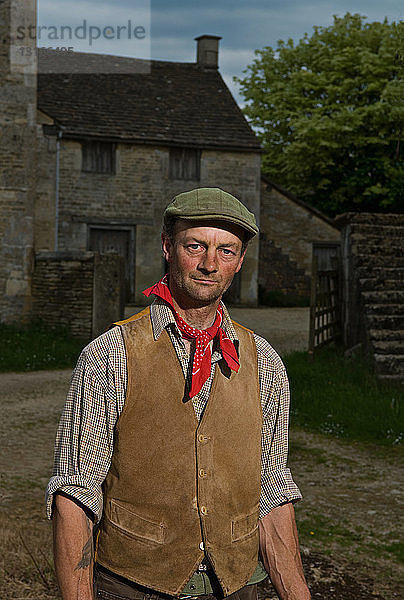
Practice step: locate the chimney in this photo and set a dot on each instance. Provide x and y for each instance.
(208, 51)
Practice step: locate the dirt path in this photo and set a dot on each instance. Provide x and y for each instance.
(352, 508)
(349, 520)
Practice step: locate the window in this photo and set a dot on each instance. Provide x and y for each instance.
(185, 163)
(98, 157)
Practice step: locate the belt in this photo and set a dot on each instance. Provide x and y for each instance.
(109, 586)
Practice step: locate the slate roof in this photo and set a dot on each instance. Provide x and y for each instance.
(312, 209)
(170, 103)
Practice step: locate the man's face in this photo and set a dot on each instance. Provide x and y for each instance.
(203, 259)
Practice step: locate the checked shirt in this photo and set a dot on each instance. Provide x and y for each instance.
(84, 441)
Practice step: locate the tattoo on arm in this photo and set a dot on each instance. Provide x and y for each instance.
(87, 555)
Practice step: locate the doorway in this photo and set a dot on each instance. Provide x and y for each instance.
(107, 240)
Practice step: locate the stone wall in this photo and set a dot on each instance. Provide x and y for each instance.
(82, 292)
(373, 288)
(17, 160)
(293, 226)
(135, 197)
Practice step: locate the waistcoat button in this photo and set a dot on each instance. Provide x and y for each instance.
(202, 473)
(204, 510)
(201, 546)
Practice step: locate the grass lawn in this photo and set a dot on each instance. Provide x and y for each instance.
(332, 395)
(343, 397)
(35, 347)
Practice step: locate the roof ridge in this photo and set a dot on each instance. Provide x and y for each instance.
(167, 103)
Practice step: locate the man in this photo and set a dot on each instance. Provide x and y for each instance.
(173, 440)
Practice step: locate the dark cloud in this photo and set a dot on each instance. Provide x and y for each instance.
(245, 25)
(249, 25)
(256, 23)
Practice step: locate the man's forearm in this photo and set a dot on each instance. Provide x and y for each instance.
(280, 552)
(73, 549)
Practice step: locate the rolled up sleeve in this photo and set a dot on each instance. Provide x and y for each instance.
(84, 439)
(277, 485)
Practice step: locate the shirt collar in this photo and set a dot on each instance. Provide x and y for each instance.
(162, 317)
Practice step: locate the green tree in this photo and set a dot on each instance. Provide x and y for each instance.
(330, 113)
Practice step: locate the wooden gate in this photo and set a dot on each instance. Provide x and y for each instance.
(325, 305)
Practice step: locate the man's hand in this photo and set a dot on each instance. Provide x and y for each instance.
(279, 547)
(73, 549)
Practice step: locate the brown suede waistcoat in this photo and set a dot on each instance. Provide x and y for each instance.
(173, 482)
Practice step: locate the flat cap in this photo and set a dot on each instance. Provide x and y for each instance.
(211, 204)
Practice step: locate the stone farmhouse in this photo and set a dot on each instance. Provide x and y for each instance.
(93, 147)
(89, 160)
(126, 144)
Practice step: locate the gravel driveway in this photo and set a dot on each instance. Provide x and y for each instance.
(286, 329)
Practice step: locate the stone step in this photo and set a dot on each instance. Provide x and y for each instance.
(379, 219)
(379, 260)
(393, 347)
(384, 309)
(390, 364)
(384, 297)
(378, 239)
(392, 378)
(378, 243)
(377, 284)
(378, 246)
(365, 235)
(392, 322)
(378, 228)
(383, 272)
(385, 335)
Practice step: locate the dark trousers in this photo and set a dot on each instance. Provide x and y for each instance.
(108, 586)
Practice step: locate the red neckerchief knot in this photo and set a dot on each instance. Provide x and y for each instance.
(203, 355)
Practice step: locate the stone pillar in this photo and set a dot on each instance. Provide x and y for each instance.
(108, 292)
(17, 155)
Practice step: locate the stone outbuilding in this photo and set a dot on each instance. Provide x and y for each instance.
(291, 232)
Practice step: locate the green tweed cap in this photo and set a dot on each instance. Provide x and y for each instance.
(211, 204)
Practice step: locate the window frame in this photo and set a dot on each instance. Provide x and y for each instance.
(93, 157)
(179, 163)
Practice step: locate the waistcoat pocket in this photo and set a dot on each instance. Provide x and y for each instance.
(135, 525)
(244, 526)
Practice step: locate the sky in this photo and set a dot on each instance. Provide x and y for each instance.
(165, 29)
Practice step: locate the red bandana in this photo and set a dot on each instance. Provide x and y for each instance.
(203, 355)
